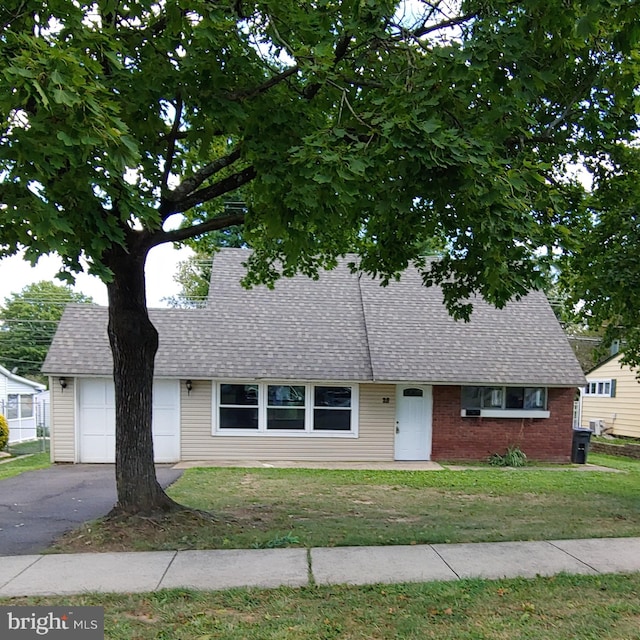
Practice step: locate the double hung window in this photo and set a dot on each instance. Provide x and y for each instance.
(286, 407)
(239, 406)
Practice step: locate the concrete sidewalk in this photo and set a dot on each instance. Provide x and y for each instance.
(68, 574)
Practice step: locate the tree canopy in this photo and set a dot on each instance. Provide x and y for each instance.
(346, 125)
(357, 124)
(28, 321)
(603, 272)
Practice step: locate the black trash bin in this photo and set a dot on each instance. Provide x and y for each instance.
(580, 448)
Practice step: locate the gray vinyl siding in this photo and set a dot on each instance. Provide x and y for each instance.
(63, 420)
(375, 439)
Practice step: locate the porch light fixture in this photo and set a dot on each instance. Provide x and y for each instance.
(189, 386)
(63, 383)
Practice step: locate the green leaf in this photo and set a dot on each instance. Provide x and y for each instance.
(66, 139)
(64, 97)
(20, 71)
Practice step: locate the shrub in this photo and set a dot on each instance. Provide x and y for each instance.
(4, 433)
(514, 457)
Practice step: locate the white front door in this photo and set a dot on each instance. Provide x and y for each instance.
(413, 422)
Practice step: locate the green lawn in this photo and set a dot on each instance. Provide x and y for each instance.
(260, 507)
(560, 608)
(319, 507)
(31, 446)
(20, 465)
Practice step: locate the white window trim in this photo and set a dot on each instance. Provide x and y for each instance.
(597, 382)
(262, 430)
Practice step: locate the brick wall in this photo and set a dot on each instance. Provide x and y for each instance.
(457, 438)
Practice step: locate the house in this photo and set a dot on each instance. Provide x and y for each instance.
(334, 369)
(18, 405)
(611, 399)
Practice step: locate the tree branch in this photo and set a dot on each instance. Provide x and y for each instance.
(171, 144)
(342, 47)
(18, 13)
(272, 82)
(189, 185)
(177, 235)
(231, 183)
(445, 24)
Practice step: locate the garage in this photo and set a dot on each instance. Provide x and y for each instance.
(96, 420)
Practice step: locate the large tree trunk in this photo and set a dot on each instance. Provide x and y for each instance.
(134, 342)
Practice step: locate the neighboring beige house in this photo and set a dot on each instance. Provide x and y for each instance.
(333, 369)
(611, 399)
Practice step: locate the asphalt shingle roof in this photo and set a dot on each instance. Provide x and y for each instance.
(412, 337)
(339, 327)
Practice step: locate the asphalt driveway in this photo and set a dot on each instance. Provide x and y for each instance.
(36, 507)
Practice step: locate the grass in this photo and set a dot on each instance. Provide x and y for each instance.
(253, 507)
(585, 607)
(32, 446)
(20, 465)
(614, 440)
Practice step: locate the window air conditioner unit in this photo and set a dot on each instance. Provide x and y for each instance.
(596, 425)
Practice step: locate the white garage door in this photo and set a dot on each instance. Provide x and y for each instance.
(96, 420)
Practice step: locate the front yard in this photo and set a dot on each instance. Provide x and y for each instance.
(278, 507)
(262, 507)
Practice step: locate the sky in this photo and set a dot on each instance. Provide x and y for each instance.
(16, 273)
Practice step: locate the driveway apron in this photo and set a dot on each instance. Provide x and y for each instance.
(37, 507)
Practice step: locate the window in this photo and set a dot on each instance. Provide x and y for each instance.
(471, 397)
(12, 406)
(602, 388)
(490, 400)
(412, 393)
(26, 406)
(19, 406)
(283, 409)
(238, 406)
(492, 397)
(332, 409)
(534, 398)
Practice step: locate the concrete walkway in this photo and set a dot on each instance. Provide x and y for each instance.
(223, 569)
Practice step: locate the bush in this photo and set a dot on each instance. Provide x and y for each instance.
(514, 457)
(4, 433)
